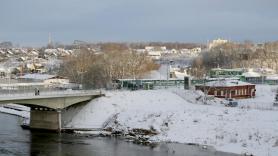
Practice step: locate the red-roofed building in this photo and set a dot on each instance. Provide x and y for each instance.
(228, 89)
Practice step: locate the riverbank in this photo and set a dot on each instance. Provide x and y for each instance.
(177, 115)
(16, 141)
(180, 116)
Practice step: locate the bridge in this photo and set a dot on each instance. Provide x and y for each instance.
(48, 107)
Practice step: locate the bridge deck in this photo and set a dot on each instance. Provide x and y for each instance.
(54, 100)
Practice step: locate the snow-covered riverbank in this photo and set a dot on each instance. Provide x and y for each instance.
(180, 116)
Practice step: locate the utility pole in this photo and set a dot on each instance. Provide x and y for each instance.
(206, 90)
(82, 76)
(168, 70)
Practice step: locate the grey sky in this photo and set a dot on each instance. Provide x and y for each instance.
(28, 22)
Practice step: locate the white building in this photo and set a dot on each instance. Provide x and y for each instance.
(156, 55)
(191, 52)
(217, 42)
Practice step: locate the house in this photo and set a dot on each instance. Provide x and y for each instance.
(271, 79)
(252, 77)
(216, 43)
(149, 48)
(177, 73)
(49, 81)
(57, 81)
(154, 55)
(224, 88)
(194, 52)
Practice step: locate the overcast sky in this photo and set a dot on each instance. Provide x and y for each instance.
(28, 22)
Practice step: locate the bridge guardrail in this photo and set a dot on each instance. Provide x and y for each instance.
(5, 94)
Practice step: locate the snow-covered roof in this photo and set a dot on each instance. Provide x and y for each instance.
(154, 53)
(180, 75)
(226, 83)
(21, 84)
(234, 69)
(251, 74)
(272, 77)
(37, 76)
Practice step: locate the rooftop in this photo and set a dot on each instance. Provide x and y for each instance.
(226, 83)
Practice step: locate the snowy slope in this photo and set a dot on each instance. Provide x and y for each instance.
(179, 117)
(264, 98)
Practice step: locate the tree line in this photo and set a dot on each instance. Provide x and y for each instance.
(237, 55)
(95, 70)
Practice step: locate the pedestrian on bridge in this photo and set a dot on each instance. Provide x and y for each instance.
(37, 91)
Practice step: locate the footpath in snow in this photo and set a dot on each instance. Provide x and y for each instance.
(180, 116)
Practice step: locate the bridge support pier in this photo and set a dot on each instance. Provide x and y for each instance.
(46, 120)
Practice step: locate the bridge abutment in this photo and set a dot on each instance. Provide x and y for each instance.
(46, 120)
(47, 112)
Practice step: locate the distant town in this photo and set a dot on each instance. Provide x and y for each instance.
(221, 94)
(256, 62)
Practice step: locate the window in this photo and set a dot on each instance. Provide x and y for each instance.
(215, 93)
(222, 93)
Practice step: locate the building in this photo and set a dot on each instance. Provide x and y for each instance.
(253, 77)
(228, 89)
(156, 55)
(146, 83)
(225, 73)
(216, 43)
(271, 79)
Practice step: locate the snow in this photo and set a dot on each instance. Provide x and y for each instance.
(264, 99)
(180, 75)
(272, 77)
(227, 83)
(160, 74)
(37, 76)
(180, 116)
(17, 110)
(251, 74)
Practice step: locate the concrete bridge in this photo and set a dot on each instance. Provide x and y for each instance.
(47, 108)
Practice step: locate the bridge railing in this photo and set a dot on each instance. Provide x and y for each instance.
(24, 93)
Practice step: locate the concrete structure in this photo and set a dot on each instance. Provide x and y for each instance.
(47, 110)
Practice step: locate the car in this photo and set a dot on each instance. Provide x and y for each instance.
(231, 103)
